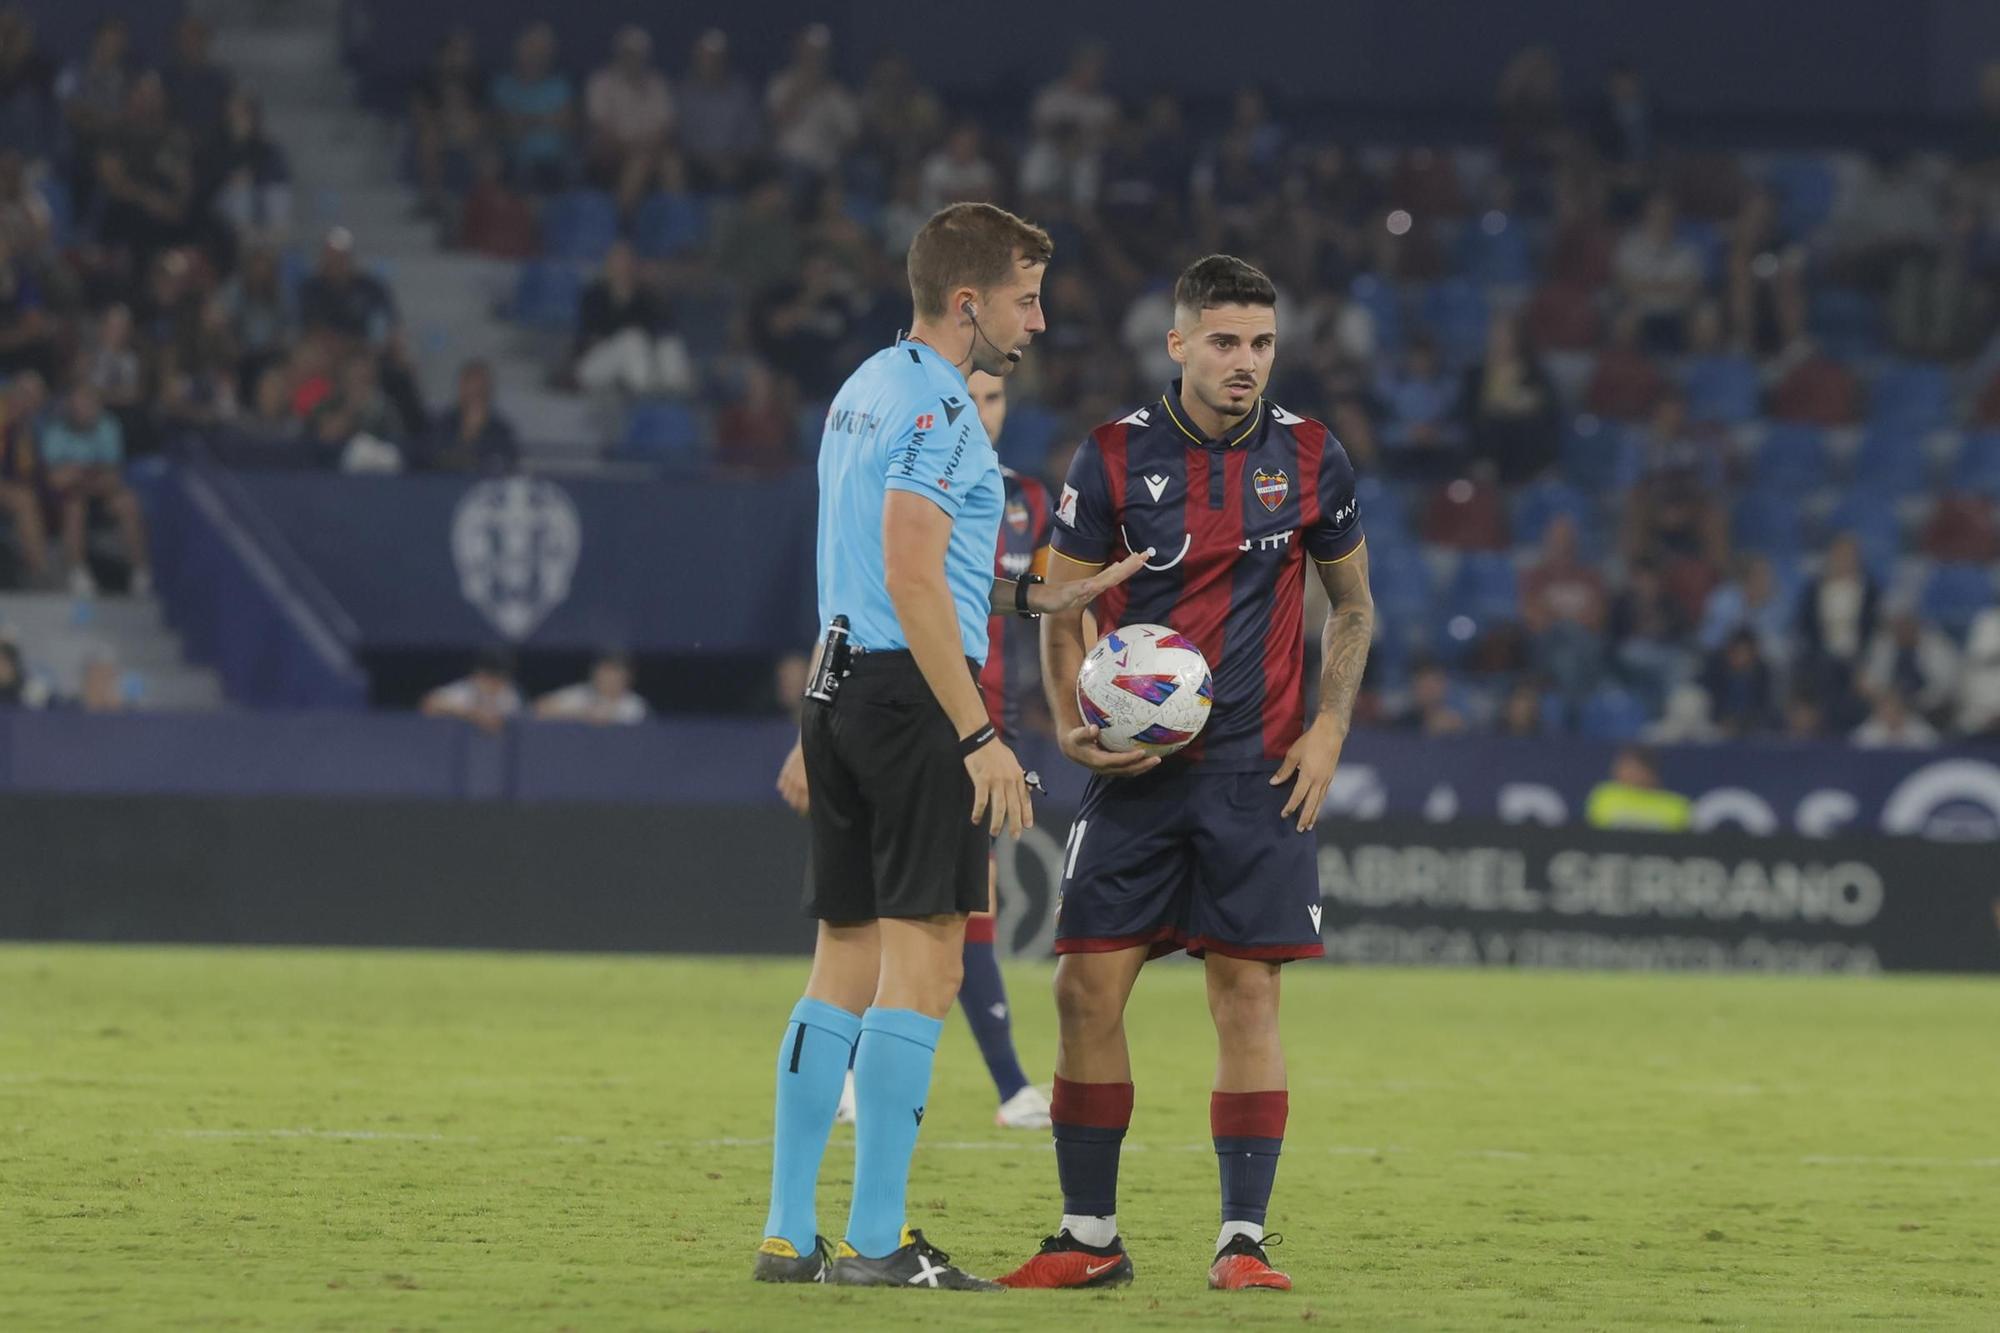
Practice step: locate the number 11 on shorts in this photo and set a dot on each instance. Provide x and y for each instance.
(1073, 846)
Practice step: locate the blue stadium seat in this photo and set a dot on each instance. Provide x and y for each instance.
(62, 206)
(579, 224)
(668, 433)
(669, 224)
(1538, 503)
(1611, 714)
(1768, 523)
(1722, 389)
(1485, 588)
(1499, 256)
(546, 296)
(1911, 397)
(1890, 462)
(1601, 457)
(1807, 190)
(1382, 301)
(1791, 459)
(1401, 584)
(1710, 241)
(1385, 513)
(1874, 525)
(1955, 594)
(1455, 311)
(1978, 466)
(1847, 323)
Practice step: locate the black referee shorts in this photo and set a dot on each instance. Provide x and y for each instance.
(892, 830)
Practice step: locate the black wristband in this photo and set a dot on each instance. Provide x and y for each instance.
(968, 744)
(1021, 586)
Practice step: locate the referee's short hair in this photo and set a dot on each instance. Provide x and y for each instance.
(969, 245)
(1222, 280)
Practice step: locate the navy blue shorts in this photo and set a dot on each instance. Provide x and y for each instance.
(1182, 859)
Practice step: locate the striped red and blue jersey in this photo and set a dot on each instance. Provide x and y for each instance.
(1012, 676)
(1231, 522)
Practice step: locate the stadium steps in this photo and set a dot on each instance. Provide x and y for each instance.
(59, 635)
(346, 171)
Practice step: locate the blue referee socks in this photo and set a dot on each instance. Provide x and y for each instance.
(812, 1066)
(892, 1079)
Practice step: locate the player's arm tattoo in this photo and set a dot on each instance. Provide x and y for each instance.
(1350, 625)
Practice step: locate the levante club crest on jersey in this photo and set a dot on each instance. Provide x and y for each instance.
(1272, 487)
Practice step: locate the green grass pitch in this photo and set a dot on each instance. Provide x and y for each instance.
(265, 1139)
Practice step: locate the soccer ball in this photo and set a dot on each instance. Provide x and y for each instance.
(1145, 687)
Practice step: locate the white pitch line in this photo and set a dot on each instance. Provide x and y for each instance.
(1983, 1162)
(363, 1135)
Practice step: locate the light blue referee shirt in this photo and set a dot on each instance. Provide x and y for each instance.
(905, 421)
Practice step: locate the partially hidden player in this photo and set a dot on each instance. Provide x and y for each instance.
(907, 775)
(1211, 850)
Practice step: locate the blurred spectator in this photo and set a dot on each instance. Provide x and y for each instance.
(1529, 100)
(1563, 610)
(1508, 406)
(269, 414)
(1767, 304)
(111, 363)
(471, 436)
(92, 92)
(83, 449)
(102, 689)
(1887, 213)
(1805, 718)
(763, 246)
(1740, 687)
(1624, 131)
(1580, 252)
(1648, 635)
(533, 101)
(621, 337)
(1521, 710)
(1423, 435)
(1673, 513)
(755, 431)
(1753, 602)
(263, 319)
(146, 179)
(959, 170)
(1891, 725)
(197, 89)
(21, 473)
(1837, 615)
(1659, 276)
(630, 114)
(1960, 528)
(27, 228)
(13, 677)
(448, 108)
(900, 118)
(198, 372)
(1918, 661)
(606, 699)
(802, 326)
(245, 176)
(340, 298)
(1685, 719)
(1429, 710)
(497, 219)
(1941, 302)
(1978, 703)
(814, 118)
(1076, 101)
(27, 87)
(486, 698)
(1634, 799)
(354, 410)
(720, 127)
(1625, 384)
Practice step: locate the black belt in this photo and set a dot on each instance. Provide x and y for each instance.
(862, 661)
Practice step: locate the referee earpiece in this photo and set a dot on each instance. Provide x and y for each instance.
(969, 310)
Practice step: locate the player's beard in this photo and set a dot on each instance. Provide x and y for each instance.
(1225, 406)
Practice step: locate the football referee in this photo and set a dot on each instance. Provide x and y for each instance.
(908, 779)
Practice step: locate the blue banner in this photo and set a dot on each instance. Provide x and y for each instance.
(546, 563)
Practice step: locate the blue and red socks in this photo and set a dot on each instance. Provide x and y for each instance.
(892, 1080)
(812, 1065)
(983, 996)
(1249, 1130)
(1090, 1120)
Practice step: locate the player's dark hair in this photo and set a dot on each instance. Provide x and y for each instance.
(1222, 280)
(969, 245)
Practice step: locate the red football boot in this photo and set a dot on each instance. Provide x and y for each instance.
(1243, 1266)
(1065, 1261)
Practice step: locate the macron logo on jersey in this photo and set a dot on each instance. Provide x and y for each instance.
(1156, 485)
(1066, 507)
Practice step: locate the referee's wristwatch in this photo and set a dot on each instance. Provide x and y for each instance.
(1021, 586)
